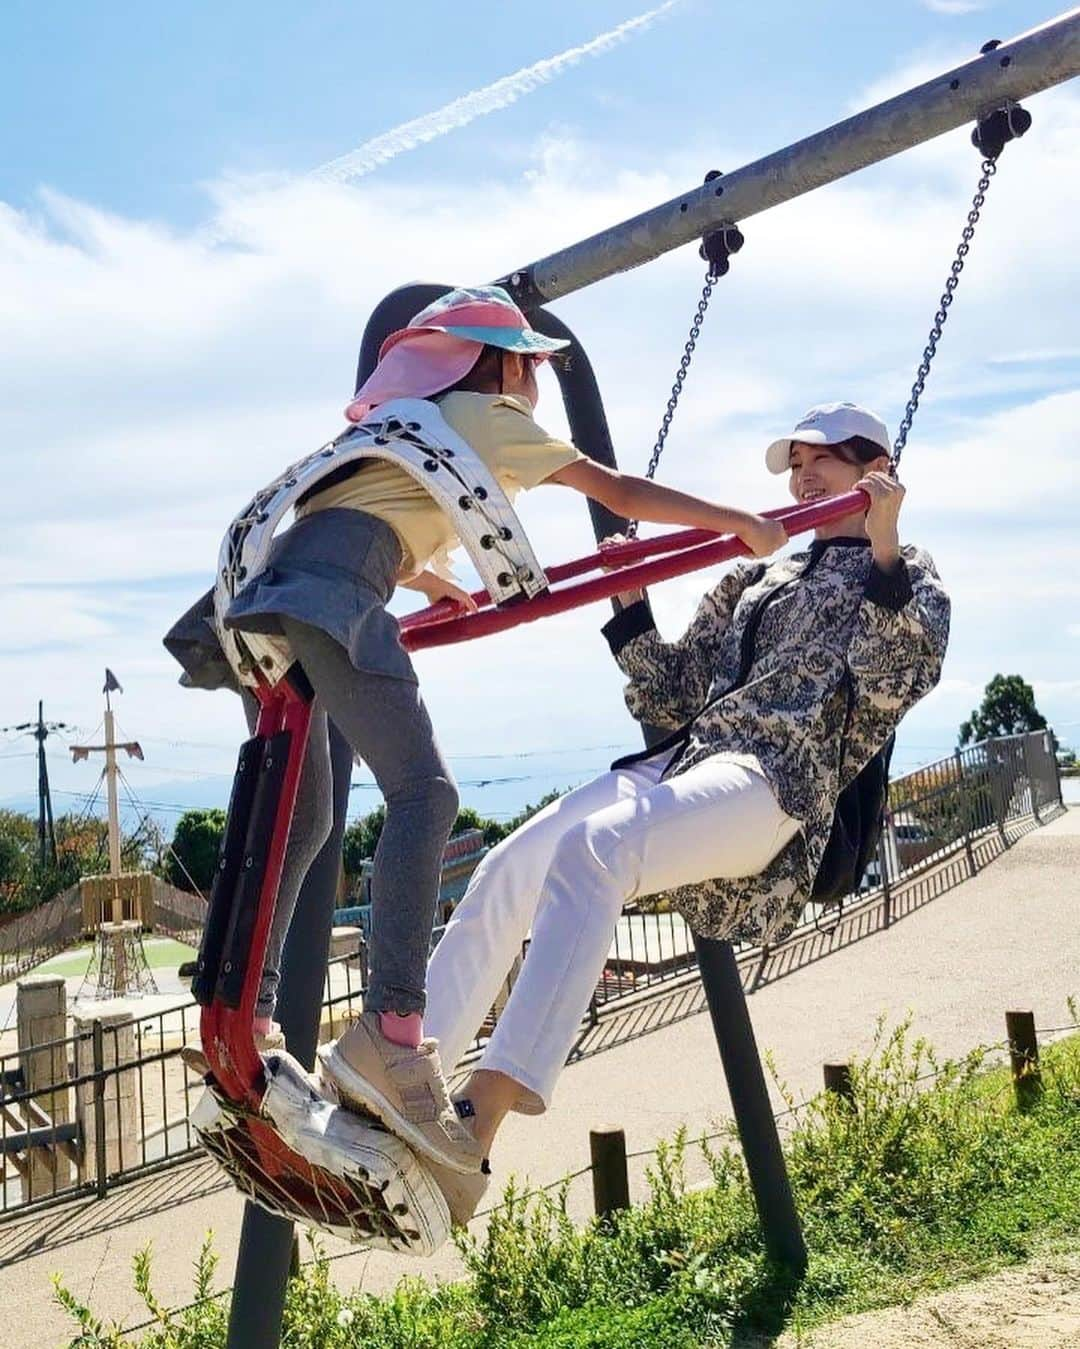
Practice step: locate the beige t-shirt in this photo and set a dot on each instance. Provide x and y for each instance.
(500, 428)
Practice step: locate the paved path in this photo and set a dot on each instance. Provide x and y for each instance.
(1004, 939)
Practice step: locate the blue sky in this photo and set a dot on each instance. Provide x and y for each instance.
(181, 301)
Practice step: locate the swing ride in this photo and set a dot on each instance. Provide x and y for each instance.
(291, 1151)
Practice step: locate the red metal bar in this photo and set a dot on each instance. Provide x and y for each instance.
(227, 1035)
(685, 551)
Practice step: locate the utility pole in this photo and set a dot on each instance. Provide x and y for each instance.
(41, 730)
(46, 830)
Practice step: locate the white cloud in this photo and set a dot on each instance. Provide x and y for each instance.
(955, 7)
(151, 378)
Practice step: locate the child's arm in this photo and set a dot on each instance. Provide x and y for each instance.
(436, 588)
(640, 499)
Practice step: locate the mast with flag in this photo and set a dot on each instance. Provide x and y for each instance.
(118, 966)
(133, 750)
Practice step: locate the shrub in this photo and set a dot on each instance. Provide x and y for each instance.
(927, 1175)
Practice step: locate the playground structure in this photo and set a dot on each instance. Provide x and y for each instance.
(113, 905)
(986, 88)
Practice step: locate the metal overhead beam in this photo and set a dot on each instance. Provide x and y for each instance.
(1025, 65)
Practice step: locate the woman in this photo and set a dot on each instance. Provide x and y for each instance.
(788, 680)
(358, 535)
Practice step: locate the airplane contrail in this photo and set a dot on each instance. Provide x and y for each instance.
(461, 111)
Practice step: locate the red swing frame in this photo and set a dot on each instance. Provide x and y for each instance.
(683, 551)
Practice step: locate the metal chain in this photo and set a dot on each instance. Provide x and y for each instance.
(711, 278)
(989, 168)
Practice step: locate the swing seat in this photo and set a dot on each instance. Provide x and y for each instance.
(303, 1158)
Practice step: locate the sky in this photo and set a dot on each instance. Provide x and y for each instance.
(201, 204)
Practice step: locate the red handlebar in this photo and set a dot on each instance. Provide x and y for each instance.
(686, 550)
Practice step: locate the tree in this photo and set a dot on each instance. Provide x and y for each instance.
(18, 858)
(1008, 708)
(362, 836)
(82, 849)
(195, 847)
(361, 839)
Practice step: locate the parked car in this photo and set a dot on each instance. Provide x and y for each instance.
(914, 840)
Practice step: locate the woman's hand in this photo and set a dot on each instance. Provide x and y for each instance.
(886, 497)
(435, 588)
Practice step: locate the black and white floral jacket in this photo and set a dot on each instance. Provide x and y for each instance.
(841, 651)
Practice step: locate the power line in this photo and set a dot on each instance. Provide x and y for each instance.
(147, 821)
(474, 758)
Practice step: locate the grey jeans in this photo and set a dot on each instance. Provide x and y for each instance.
(386, 723)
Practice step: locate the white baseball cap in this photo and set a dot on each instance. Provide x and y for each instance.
(828, 424)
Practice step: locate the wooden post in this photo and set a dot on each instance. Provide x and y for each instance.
(1024, 1057)
(107, 1103)
(610, 1181)
(838, 1081)
(41, 1016)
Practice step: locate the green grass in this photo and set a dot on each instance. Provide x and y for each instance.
(930, 1177)
(161, 953)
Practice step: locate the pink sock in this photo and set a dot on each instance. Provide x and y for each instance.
(262, 1024)
(406, 1030)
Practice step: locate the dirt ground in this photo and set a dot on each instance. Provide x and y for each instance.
(1032, 1306)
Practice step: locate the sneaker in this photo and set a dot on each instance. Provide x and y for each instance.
(462, 1193)
(404, 1088)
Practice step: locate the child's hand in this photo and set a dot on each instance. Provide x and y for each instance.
(612, 541)
(625, 597)
(437, 588)
(761, 536)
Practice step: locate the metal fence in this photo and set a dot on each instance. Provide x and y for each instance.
(111, 1102)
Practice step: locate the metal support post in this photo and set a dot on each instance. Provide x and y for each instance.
(1033, 790)
(965, 807)
(266, 1242)
(1013, 70)
(750, 1102)
(883, 866)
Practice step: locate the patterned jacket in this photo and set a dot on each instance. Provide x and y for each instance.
(840, 653)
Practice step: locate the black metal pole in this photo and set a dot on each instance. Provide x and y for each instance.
(266, 1242)
(750, 1102)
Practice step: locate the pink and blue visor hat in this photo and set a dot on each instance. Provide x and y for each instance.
(441, 344)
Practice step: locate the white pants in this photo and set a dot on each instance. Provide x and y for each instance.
(566, 874)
